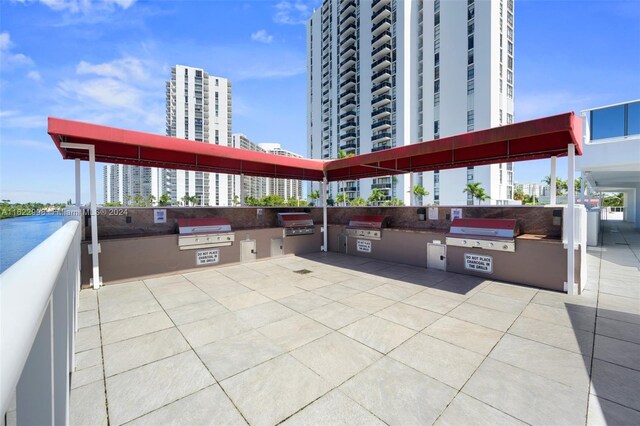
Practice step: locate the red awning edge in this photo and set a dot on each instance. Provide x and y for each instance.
(529, 140)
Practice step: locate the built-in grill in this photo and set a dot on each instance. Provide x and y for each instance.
(367, 227)
(204, 232)
(489, 234)
(296, 223)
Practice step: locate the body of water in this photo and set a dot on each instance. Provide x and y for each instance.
(19, 235)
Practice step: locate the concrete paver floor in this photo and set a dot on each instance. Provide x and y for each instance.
(357, 341)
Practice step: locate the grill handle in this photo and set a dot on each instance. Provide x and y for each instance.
(479, 231)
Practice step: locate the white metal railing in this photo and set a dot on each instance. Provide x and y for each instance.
(38, 305)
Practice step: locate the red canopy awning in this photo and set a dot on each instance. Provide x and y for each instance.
(530, 140)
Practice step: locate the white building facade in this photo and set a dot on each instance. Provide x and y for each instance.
(199, 109)
(390, 73)
(129, 184)
(285, 188)
(254, 186)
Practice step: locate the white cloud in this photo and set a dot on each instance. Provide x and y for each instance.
(82, 6)
(34, 75)
(125, 92)
(262, 36)
(123, 69)
(8, 59)
(293, 12)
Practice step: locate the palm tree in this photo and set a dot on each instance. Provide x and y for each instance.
(138, 200)
(342, 199)
(150, 200)
(376, 196)
(314, 195)
(419, 191)
(164, 200)
(358, 202)
(561, 185)
(476, 190)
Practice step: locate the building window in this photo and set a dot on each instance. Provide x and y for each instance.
(509, 118)
(510, 77)
(470, 42)
(436, 86)
(470, 72)
(470, 57)
(509, 91)
(436, 72)
(436, 127)
(470, 86)
(470, 120)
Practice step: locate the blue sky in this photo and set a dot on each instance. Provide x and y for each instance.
(106, 62)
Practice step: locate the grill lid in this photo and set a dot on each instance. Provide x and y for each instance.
(205, 225)
(294, 220)
(485, 228)
(368, 222)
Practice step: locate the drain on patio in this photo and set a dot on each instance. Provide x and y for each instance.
(303, 271)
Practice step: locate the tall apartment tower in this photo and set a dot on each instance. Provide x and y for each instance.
(254, 186)
(285, 188)
(198, 109)
(125, 184)
(389, 73)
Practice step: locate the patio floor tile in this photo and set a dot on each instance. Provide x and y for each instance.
(233, 355)
(273, 391)
(336, 357)
(465, 334)
(443, 361)
(378, 333)
(399, 395)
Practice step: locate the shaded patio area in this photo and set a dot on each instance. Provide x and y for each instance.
(336, 339)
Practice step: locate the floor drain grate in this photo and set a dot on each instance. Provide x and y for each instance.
(302, 271)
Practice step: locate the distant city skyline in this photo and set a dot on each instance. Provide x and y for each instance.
(107, 62)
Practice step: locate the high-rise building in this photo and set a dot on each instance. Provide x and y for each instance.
(389, 73)
(129, 185)
(198, 109)
(254, 186)
(285, 188)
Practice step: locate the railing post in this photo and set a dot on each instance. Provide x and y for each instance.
(34, 393)
(60, 307)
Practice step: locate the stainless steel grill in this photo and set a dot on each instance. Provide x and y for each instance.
(489, 234)
(204, 232)
(296, 223)
(367, 227)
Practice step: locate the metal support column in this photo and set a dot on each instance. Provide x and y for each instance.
(95, 247)
(242, 189)
(78, 193)
(324, 215)
(552, 182)
(571, 200)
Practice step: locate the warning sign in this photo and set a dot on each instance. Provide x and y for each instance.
(207, 257)
(363, 246)
(479, 263)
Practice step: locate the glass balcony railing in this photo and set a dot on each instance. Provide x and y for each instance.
(616, 121)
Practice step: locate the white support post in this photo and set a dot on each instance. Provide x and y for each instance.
(412, 197)
(582, 188)
(571, 163)
(95, 247)
(324, 215)
(552, 182)
(241, 189)
(78, 193)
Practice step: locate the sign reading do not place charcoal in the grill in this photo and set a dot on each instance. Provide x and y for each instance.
(476, 262)
(207, 257)
(363, 246)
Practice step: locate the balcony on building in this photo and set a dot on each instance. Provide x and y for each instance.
(382, 12)
(380, 51)
(347, 19)
(381, 26)
(381, 75)
(346, 41)
(349, 29)
(347, 7)
(383, 62)
(349, 72)
(350, 50)
(350, 104)
(349, 83)
(348, 94)
(381, 136)
(381, 38)
(348, 125)
(380, 125)
(347, 62)
(348, 115)
(381, 88)
(380, 101)
(348, 136)
(380, 112)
